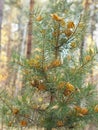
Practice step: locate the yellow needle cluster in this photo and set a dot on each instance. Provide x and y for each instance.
(81, 110)
(69, 89)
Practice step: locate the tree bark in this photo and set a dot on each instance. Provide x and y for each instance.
(29, 41)
(86, 7)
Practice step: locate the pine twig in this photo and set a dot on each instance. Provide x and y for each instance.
(70, 35)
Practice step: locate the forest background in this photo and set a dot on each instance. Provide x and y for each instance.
(14, 26)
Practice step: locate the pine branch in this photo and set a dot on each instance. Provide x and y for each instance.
(57, 41)
(70, 35)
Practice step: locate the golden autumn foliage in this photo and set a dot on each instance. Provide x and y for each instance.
(68, 32)
(56, 33)
(56, 63)
(69, 89)
(39, 18)
(3, 77)
(41, 87)
(96, 108)
(70, 24)
(84, 111)
(53, 64)
(23, 123)
(35, 83)
(62, 23)
(81, 110)
(60, 123)
(15, 111)
(87, 58)
(35, 107)
(34, 63)
(56, 17)
(77, 108)
(81, 25)
(73, 45)
(91, 51)
(10, 123)
(61, 85)
(25, 72)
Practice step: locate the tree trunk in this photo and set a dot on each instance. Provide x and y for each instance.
(86, 7)
(1, 16)
(29, 36)
(22, 50)
(93, 23)
(29, 41)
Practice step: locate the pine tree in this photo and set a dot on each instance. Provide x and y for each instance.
(56, 93)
